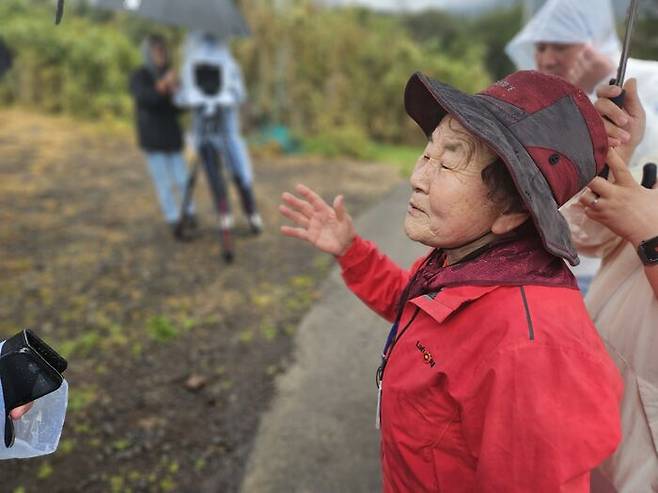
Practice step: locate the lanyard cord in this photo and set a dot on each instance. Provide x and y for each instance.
(393, 336)
(390, 345)
(391, 340)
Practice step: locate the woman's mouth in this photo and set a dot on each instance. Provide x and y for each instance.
(414, 210)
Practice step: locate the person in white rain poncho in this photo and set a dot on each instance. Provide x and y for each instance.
(212, 85)
(578, 41)
(613, 221)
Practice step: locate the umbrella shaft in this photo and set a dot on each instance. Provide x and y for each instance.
(630, 25)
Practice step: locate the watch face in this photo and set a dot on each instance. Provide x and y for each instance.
(649, 251)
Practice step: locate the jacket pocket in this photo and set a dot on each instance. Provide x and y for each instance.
(649, 398)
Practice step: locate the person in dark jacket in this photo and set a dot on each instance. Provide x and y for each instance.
(159, 131)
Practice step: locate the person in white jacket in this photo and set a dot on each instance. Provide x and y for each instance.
(212, 85)
(611, 219)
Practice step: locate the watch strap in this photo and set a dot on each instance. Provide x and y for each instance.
(648, 251)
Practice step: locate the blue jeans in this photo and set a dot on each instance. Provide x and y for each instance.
(169, 174)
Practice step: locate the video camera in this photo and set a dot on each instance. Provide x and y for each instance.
(210, 77)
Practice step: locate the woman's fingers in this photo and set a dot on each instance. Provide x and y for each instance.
(601, 187)
(299, 233)
(589, 199)
(299, 205)
(297, 217)
(632, 103)
(608, 91)
(339, 207)
(619, 169)
(612, 112)
(315, 200)
(616, 136)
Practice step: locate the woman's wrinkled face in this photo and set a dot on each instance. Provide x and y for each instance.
(450, 205)
(557, 58)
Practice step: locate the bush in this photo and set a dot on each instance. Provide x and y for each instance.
(323, 72)
(80, 69)
(346, 140)
(334, 75)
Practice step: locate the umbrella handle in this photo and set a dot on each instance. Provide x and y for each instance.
(618, 100)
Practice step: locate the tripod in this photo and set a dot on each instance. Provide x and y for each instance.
(211, 156)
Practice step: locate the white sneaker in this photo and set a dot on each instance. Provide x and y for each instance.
(256, 223)
(226, 221)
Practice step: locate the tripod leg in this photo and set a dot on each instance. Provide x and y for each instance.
(213, 165)
(249, 206)
(246, 197)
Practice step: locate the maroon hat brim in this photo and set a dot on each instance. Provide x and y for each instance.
(427, 101)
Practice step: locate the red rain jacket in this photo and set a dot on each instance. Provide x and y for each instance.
(490, 389)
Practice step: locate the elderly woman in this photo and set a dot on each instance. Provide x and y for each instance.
(493, 376)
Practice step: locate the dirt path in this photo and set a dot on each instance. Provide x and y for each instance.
(172, 354)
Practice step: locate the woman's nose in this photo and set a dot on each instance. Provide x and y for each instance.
(547, 58)
(419, 178)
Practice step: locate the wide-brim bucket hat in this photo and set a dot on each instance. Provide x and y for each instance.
(546, 131)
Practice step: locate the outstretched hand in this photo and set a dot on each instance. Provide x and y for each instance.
(329, 229)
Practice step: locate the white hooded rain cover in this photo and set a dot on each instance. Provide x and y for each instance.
(591, 22)
(205, 51)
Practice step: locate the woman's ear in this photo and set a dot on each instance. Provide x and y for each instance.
(508, 221)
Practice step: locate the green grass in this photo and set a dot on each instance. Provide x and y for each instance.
(360, 147)
(161, 328)
(401, 156)
(81, 397)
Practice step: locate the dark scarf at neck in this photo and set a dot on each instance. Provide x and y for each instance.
(515, 259)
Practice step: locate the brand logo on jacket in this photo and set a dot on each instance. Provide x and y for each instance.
(427, 356)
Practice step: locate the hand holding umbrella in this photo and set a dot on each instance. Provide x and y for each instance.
(624, 125)
(624, 207)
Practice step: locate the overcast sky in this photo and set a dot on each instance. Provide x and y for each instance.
(462, 5)
(418, 4)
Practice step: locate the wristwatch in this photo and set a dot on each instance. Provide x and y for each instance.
(29, 369)
(648, 251)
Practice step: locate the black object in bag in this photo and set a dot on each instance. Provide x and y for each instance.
(29, 369)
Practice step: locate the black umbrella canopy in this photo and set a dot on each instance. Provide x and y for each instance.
(220, 17)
